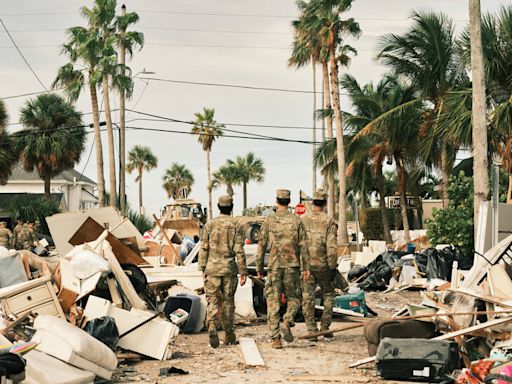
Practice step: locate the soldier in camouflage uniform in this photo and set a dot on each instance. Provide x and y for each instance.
(222, 248)
(321, 230)
(285, 236)
(28, 237)
(17, 235)
(5, 236)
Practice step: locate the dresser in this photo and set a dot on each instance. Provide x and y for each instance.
(36, 296)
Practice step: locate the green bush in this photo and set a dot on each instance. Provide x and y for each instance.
(141, 222)
(372, 228)
(454, 224)
(29, 209)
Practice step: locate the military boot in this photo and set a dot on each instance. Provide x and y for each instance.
(286, 332)
(327, 335)
(229, 338)
(214, 338)
(276, 343)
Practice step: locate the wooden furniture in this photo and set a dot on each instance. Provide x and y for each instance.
(36, 296)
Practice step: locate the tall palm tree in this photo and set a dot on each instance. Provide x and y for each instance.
(208, 130)
(227, 175)
(139, 159)
(178, 181)
(8, 155)
(126, 41)
(426, 55)
(53, 139)
(248, 168)
(83, 49)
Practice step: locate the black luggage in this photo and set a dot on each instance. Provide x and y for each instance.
(417, 359)
(377, 330)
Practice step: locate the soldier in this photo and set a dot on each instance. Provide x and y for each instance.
(222, 248)
(321, 230)
(286, 237)
(5, 235)
(17, 235)
(28, 237)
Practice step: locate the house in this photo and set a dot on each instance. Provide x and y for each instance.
(78, 191)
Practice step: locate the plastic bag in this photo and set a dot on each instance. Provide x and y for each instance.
(105, 330)
(356, 271)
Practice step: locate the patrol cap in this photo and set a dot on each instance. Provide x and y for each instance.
(3, 222)
(225, 201)
(283, 193)
(319, 195)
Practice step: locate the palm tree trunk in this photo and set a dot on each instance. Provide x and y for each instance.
(229, 190)
(110, 136)
(99, 148)
(403, 198)
(140, 190)
(342, 220)
(210, 205)
(122, 130)
(245, 194)
(480, 166)
(313, 62)
(382, 205)
(445, 175)
(47, 192)
(328, 118)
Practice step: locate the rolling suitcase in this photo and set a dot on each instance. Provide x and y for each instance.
(417, 359)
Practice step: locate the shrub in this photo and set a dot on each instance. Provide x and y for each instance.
(29, 209)
(141, 222)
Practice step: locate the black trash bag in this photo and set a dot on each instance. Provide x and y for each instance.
(11, 364)
(391, 257)
(437, 267)
(356, 271)
(464, 258)
(105, 330)
(421, 261)
(136, 276)
(378, 280)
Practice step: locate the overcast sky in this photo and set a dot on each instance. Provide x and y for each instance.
(203, 40)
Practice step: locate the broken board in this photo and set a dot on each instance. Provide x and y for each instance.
(90, 230)
(250, 352)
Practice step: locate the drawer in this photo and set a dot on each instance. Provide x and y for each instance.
(31, 298)
(46, 309)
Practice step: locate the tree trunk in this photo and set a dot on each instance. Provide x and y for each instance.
(140, 190)
(229, 190)
(99, 148)
(480, 165)
(208, 165)
(403, 198)
(340, 150)
(47, 191)
(445, 175)
(111, 152)
(245, 194)
(122, 130)
(382, 205)
(509, 193)
(314, 124)
(327, 103)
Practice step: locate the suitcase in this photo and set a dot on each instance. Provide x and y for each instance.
(376, 330)
(417, 359)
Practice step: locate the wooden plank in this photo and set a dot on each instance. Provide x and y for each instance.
(341, 311)
(90, 230)
(484, 297)
(193, 253)
(250, 352)
(176, 259)
(448, 336)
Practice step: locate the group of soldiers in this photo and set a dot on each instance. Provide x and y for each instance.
(23, 235)
(302, 254)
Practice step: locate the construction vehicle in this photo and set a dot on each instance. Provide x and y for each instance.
(185, 216)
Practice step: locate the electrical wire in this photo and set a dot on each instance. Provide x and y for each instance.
(23, 57)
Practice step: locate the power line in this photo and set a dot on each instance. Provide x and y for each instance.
(23, 57)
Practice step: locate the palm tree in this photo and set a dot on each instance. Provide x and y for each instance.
(248, 168)
(53, 139)
(8, 156)
(141, 158)
(426, 55)
(208, 130)
(178, 181)
(84, 49)
(227, 175)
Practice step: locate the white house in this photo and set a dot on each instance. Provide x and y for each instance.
(78, 190)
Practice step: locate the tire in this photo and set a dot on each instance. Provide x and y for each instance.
(253, 233)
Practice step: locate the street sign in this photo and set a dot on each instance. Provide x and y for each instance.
(300, 209)
(394, 202)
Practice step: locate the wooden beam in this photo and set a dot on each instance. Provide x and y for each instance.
(176, 257)
(482, 296)
(250, 352)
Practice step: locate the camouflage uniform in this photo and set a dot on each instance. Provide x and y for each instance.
(18, 236)
(5, 235)
(286, 238)
(321, 230)
(28, 237)
(222, 242)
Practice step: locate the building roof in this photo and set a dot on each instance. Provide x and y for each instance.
(19, 173)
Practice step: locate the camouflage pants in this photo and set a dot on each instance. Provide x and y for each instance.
(322, 278)
(279, 281)
(220, 291)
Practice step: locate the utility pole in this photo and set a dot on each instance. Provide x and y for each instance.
(122, 131)
(479, 115)
(313, 62)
